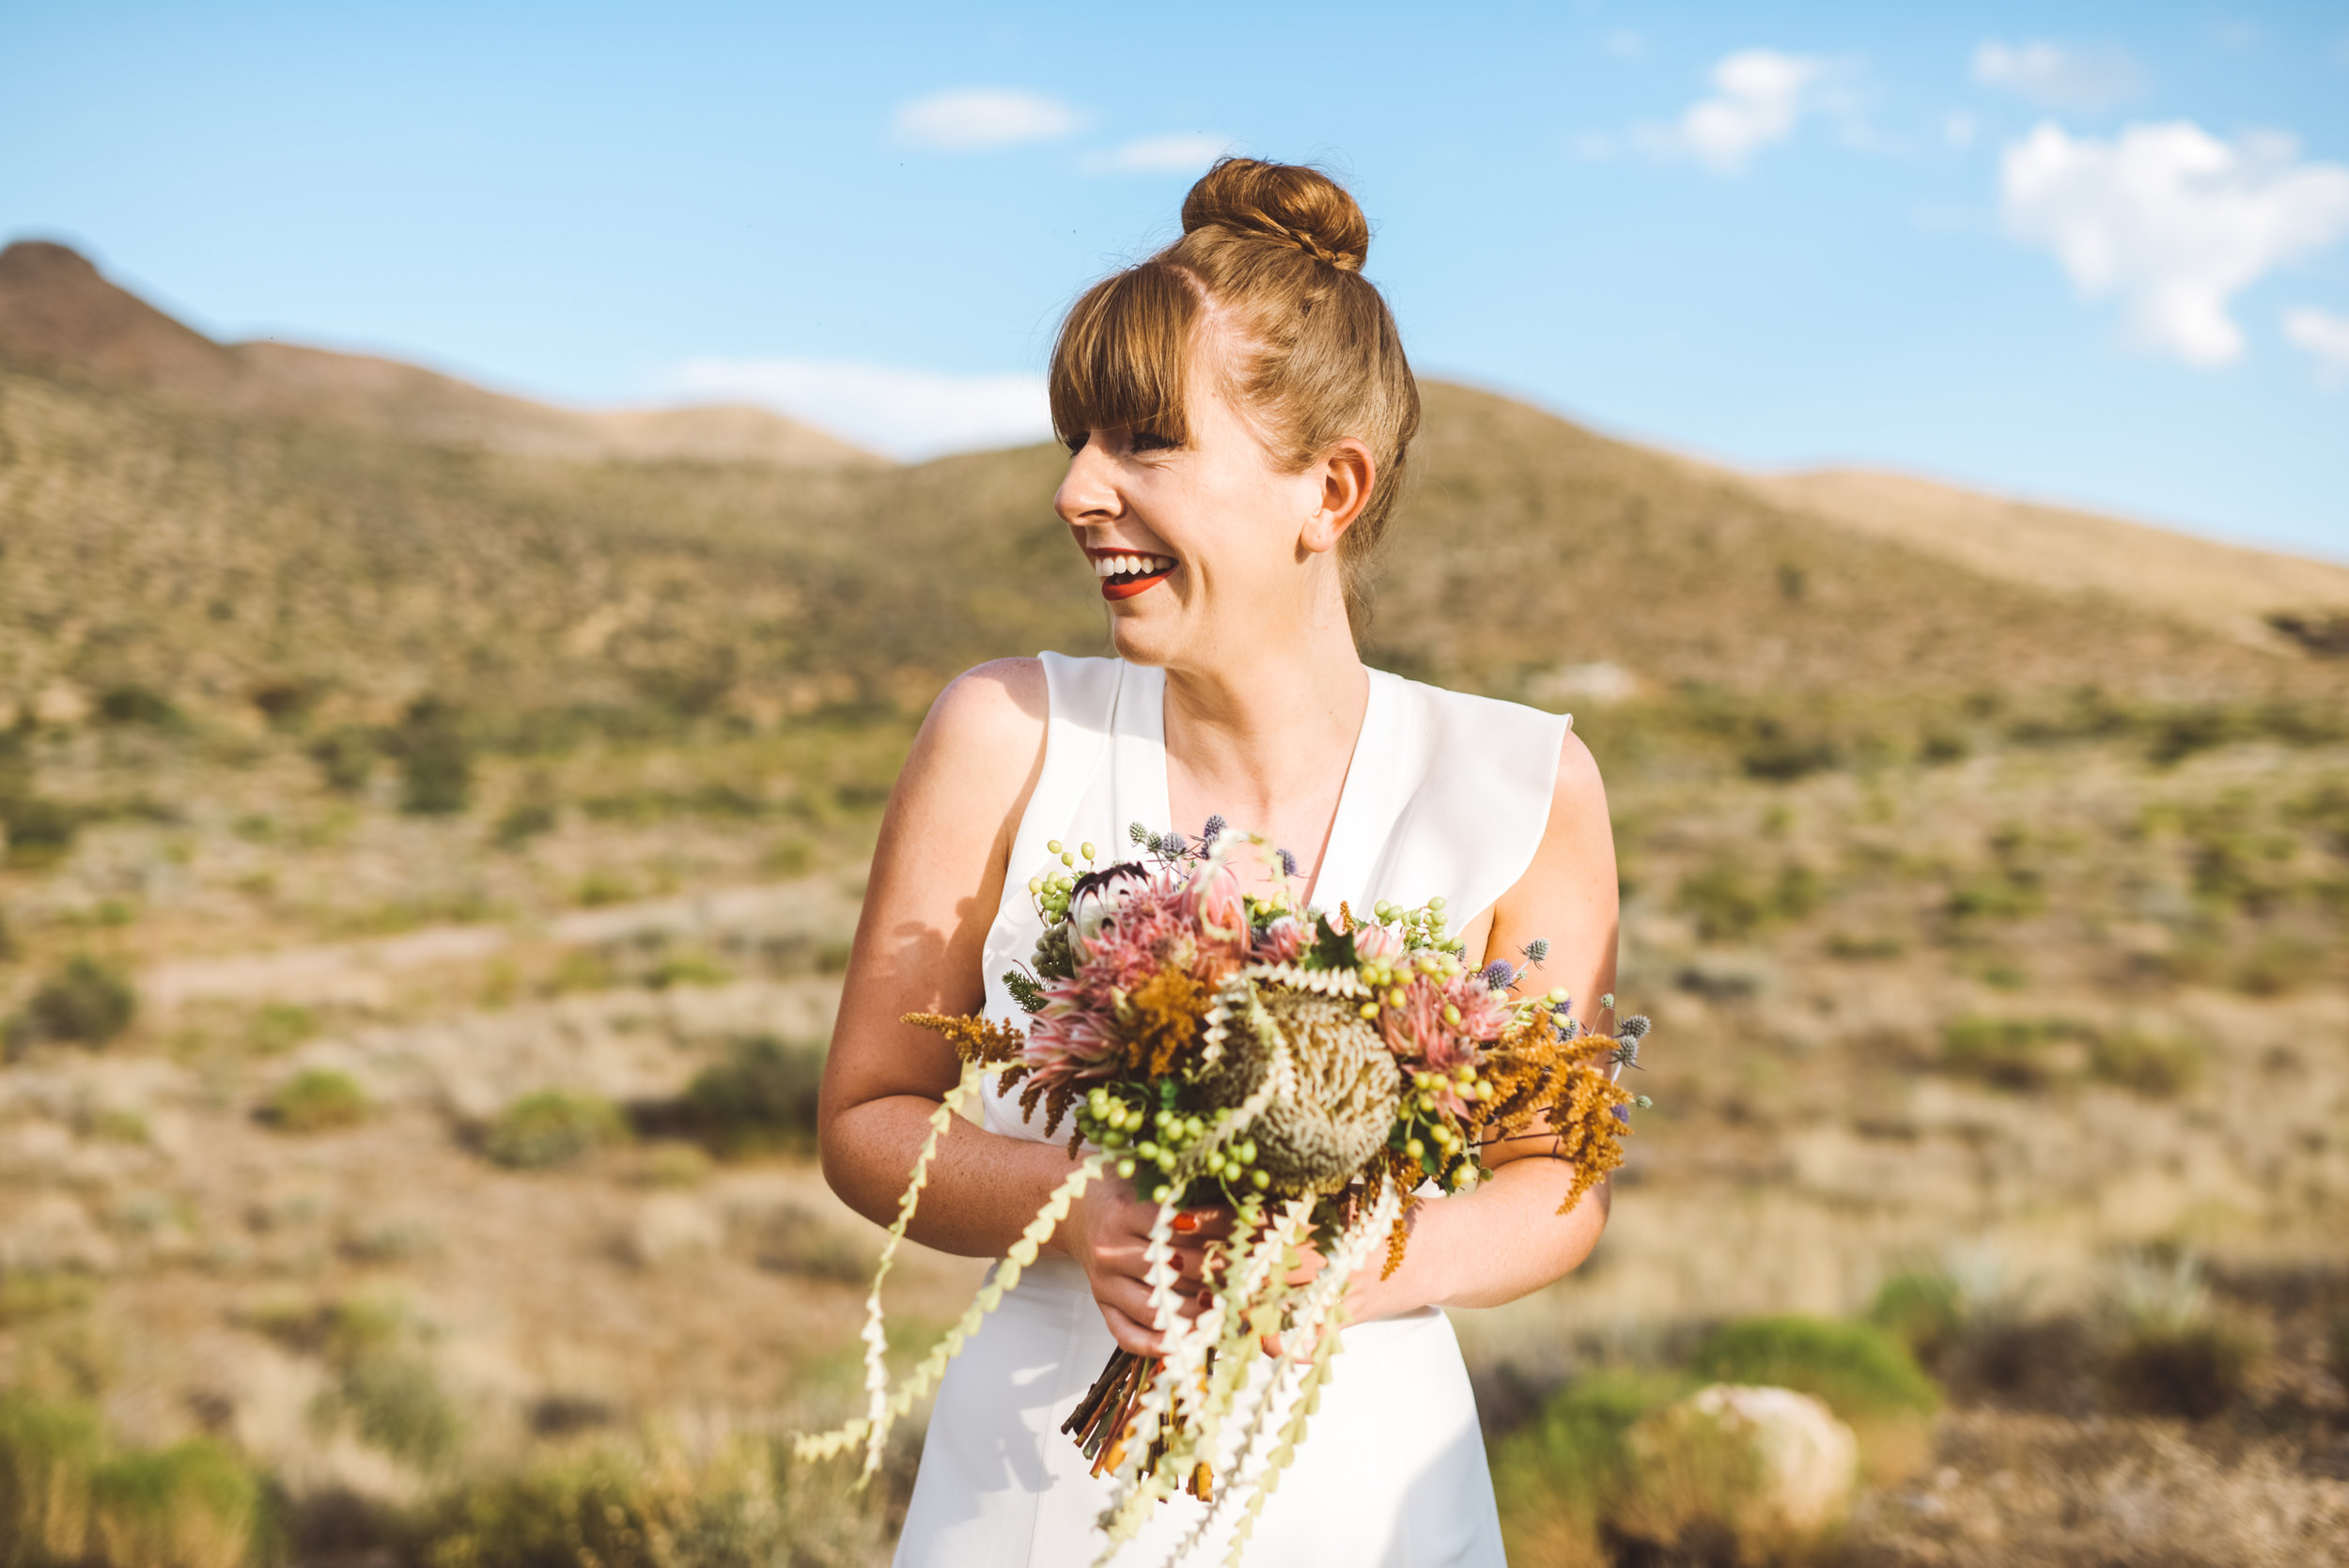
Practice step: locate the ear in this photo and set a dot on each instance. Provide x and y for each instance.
(1347, 473)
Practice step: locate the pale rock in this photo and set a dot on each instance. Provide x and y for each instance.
(1768, 1468)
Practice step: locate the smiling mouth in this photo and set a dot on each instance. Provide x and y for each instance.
(1125, 573)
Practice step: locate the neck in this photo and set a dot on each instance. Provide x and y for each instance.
(1274, 725)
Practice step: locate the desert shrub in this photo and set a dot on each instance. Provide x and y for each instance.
(1729, 904)
(761, 1099)
(27, 1295)
(600, 888)
(435, 759)
(2280, 963)
(790, 1240)
(2154, 1065)
(1555, 1476)
(189, 1506)
(2012, 1053)
(317, 1099)
(1780, 754)
(396, 1402)
(2194, 1370)
(139, 705)
(280, 1026)
(687, 968)
(2338, 1342)
(2173, 1357)
(736, 1506)
(1862, 1372)
(346, 758)
(40, 830)
(47, 1455)
(86, 1002)
(10, 949)
(523, 822)
(542, 1130)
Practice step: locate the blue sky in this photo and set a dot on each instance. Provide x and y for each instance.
(2095, 253)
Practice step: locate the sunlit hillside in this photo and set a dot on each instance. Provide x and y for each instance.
(432, 847)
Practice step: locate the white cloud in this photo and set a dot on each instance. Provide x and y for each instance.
(909, 414)
(970, 119)
(2325, 336)
(1181, 152)
(2055, 77)
(2172, 221)
(1758, 96)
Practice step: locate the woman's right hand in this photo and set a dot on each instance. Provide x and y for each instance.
(1108, 1234)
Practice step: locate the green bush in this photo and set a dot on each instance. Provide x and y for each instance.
(2012, 1053)
(280, 1026)
(139, 705)
(191, 1506)
(1860, 1373)
(739, 1505)
(435, 760)
(47, 1455)
(88, 1002)
(540, 1131)
(397, 1403)
(346, 758)
(317, 1099)
(523, 822)
(2154, 1065)
(761, 1099)
(40, 830)
(1555, 1476)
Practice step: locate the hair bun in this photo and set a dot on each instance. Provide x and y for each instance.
(1288, 203)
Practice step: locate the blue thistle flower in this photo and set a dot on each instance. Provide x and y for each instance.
(1536, 950)
(1499, 975)
(1137, 833)
(1627, 1052)
(1216, 828)
(1634, 1027)
(1288, 863)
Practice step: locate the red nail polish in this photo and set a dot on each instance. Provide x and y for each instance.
(1186, 1223)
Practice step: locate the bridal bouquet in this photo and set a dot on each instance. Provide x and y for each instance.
(1311, 1075)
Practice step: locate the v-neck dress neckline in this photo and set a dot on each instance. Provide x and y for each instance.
(1140, 763)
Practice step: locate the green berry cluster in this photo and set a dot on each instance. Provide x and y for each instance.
(1051, 889)
(1424, 1133)
(1151, 1140)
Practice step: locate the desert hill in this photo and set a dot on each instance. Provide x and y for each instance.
(214, 522)
(56, 311)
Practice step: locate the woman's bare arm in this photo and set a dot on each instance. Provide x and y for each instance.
(937, 882)
(1506, 1239)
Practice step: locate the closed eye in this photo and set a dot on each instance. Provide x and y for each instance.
(1150, 441)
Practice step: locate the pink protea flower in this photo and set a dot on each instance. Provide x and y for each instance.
(1283, 940)
(1373, 944)
(1137, 926)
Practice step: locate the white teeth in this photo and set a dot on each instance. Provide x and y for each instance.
(1103, 566)
(1128, 564)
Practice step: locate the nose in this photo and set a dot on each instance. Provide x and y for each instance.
(1088, 495)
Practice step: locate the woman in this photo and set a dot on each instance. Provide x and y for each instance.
(1236, 411)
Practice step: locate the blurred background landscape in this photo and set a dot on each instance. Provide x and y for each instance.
(432, 814)
(434, 822)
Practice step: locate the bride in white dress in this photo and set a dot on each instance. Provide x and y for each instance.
(1238, 410)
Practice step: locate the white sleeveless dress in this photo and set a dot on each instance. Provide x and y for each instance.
(1447, 794)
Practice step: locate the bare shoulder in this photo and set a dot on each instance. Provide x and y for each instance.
(1579, 791)
(989, 724)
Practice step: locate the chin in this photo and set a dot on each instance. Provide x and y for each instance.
(1143, 639)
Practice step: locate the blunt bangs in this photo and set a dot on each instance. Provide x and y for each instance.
(1122, 355)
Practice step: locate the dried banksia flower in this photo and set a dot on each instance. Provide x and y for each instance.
(1319, 1138)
